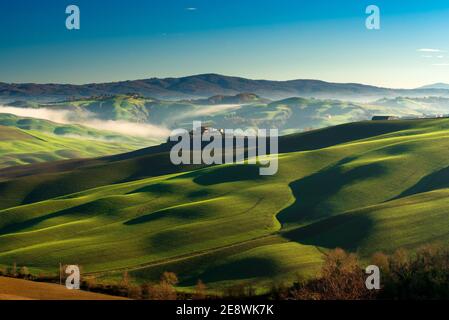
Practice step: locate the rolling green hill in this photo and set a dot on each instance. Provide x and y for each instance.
(27, 140)
(133, 108)
(415, 106)
(366, 187)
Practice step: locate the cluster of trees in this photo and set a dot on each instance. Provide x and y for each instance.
(165, 289)
(405, 275)
(16, 272)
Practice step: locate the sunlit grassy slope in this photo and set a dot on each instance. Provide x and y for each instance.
(365, 186)
(26, 141)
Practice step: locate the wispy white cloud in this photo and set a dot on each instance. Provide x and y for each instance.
(191, 9)
(59, 116)
(214, 109)
(429, 50)
(441, 64)
(427, 56)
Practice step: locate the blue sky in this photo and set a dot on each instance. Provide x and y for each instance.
(262, 39)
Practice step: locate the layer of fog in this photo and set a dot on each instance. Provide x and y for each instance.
(70, 117)
(200, 112)
(210, 110)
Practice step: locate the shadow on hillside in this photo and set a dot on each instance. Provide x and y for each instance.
(238, 270)
(154, 216)
(331, 136)
(194, 211)
(181, 213)
(85, 210)
(201, 193)
(436, 180)
(158, 188)
(225, 174)
(346, 231)
(313, 193)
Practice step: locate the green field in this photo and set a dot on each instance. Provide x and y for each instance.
(365, 187)
(27, 141)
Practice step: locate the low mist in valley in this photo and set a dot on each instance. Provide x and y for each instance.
(68, 117)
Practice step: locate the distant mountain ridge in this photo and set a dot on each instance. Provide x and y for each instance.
(440, 85)
(207, 85)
